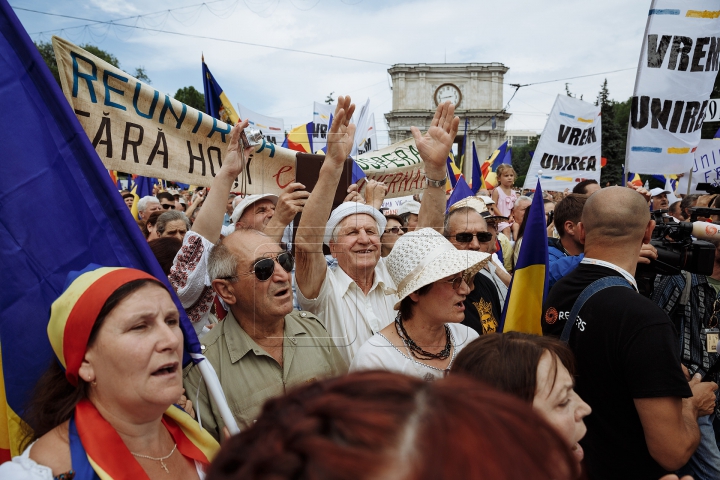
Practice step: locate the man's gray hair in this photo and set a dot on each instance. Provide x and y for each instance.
(168, 217)
(522, 198)
(457, 211)
(222, 263)
(145, 201)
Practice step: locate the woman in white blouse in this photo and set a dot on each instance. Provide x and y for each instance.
(432, 278)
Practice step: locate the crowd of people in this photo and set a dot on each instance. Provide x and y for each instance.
(357, 344)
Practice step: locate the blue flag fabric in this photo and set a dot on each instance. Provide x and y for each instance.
(461, 190)
(500, 157)
(717, 134)
(212, 92)
(144, 185)
(48, 160)
(529, 284)
(476, 172)
(464, 144)
(508, 157)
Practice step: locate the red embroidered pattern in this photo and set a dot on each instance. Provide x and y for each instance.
(199, 310)
(185, 262)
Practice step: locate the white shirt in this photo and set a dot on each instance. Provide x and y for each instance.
(350, 316)
(379, 353)
(25, 468)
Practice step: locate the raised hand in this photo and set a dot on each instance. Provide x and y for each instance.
(375, 193)
(342, 133)
(235, 161)
(436, 144)
(290, 203)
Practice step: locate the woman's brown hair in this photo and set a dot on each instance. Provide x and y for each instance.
(509, 361)
(372, 424)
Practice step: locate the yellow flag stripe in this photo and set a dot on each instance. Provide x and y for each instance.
(524, 307)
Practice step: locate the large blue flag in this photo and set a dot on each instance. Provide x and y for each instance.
(60, 212)
(461, 191)
(477, 177)
(529, 284)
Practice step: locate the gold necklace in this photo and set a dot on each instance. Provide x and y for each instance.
(161, 459)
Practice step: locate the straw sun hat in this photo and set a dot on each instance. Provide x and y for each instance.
(424, 256)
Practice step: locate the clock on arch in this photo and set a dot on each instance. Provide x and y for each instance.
(448, 91)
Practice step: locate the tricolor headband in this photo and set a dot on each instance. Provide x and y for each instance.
(73, 314)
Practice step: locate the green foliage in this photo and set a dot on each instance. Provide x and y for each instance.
(102, 54)
(614, 137)
(521, 160)
(141, 75)
(48, 54)
(191, 97)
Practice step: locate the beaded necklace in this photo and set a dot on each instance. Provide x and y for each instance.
(417, 351)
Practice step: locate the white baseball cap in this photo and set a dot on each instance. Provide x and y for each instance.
(249, 200)
(657, 191)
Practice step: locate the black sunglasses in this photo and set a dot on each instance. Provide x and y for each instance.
(167, 206)
(467, 237)
(396, 230)
(264, 269)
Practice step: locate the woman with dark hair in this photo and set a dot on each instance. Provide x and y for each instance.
(538, 370)
(165, 249)
(432, 279)
(381, 425)
(104, 408)
(149, 229)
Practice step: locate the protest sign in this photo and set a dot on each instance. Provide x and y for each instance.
(676, 73)
(569, 148)
(136, 129)
(398, 165)
(368, 142)
(272, 128)
(705, 167)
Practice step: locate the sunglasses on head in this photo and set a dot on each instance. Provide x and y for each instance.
(467, 237)
(167, 206)
(264, 268)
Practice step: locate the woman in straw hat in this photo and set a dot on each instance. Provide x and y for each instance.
(432, 279)
(105, 408)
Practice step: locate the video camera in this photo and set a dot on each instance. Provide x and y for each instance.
(676, 248)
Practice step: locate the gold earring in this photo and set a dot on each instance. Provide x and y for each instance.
(93, 383)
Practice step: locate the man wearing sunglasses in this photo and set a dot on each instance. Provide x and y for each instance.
(167, 200)
(263, 347)
(467, 230)
(355, 300)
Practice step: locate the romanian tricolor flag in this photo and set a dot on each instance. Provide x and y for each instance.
(454, 172)
(478, 180)
(89, 221)
(300, 138)
(217, 105)
(491, 164)
(529, 284)
(635, 180)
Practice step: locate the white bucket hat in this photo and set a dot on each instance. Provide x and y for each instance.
(424, 256)
(346, 209)
(247, 201)
(411, 206)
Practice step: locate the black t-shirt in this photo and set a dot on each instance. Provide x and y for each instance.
(482, 306)
(625, 347)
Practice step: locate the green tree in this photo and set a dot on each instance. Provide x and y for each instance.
(191, 97)
(614, 138)
(48, 54)
(521, 159)
(141, 75)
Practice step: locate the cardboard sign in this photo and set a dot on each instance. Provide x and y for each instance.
(569, 148)
(677, 70)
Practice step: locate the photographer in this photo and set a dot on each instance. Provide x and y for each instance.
(692, 302)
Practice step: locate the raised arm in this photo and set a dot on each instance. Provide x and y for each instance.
(434, 148)
(209, 221)
(311, 265)
(670, 424)
(291, 202)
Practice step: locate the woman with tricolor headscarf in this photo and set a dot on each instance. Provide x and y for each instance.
(105, 409)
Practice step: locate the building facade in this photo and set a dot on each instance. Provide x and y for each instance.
(520, 138)
(476, 89)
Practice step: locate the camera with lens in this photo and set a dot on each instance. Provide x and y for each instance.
(251, 137)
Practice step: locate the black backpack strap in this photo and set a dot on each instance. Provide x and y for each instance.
(589, 291)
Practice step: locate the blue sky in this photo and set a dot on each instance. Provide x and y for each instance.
(537, 40)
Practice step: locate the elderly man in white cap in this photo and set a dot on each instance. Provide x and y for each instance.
(659, 199)
(266, 213)
(354, 300)
(409, 212)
